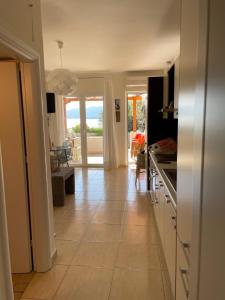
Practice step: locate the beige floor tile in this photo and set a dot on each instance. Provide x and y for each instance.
(108, 217)
(21, 281)
(70, 231)
(141, 256)
(17, 296)
(118, 188)
(91, 196)
(139, 217)
(85, 283)
(117, 195)
(81, 205)
(77, 216)
(129, 284)
(140, 234)
(139, 205)
(103, 233)
(65, 252)
(94, 254)
(95, 217)
(91, 185)
(112, 205)
(45, 285)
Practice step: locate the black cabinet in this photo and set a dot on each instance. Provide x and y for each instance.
(155, 104)
(158, 128)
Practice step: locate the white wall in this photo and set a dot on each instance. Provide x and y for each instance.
(16, 17)
(119, 88)
(88, 87)
(95, 87)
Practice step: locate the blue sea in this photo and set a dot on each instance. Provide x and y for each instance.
(90, 123)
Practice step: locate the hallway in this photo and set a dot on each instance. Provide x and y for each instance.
(107, 243)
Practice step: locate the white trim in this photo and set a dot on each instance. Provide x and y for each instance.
(11, 42)
(41, 242)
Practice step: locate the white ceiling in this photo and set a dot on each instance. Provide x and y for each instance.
(111, 35)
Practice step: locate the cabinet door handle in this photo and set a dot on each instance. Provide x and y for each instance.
(174, 221)
(167, 199)
(186, 248)
(184, 278)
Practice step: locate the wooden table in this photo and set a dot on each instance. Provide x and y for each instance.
(62, 183)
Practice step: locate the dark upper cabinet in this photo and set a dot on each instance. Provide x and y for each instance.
(155, 103)
(171, 78)
(158, 128)
(155, 96)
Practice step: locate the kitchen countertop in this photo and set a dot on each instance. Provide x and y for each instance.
(160, 166)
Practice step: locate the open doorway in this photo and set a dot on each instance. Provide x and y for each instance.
(84, 129)
(27, 243)
(136, 124)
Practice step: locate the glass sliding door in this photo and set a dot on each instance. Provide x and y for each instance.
(73, 128)
(84, 129)
(94, 130)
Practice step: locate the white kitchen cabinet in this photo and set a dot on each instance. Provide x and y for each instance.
(182, 273)
(159, 207)
(170, 237)
(165, 215)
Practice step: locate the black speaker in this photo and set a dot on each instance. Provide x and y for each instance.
(50, 102)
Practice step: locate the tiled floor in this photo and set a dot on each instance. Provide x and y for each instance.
(20, 282)
(107, 243)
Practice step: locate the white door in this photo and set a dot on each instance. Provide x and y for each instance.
(14, 166)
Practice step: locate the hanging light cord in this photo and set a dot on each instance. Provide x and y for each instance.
(60, 46)
(32, 21)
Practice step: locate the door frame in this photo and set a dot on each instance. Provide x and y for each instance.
(43, 250)
(126, 118)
